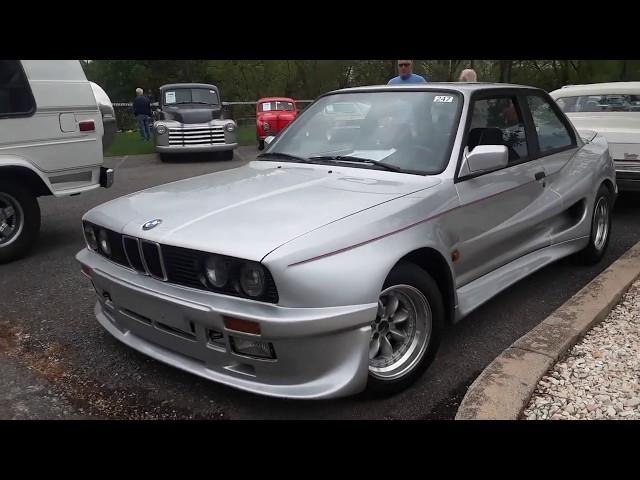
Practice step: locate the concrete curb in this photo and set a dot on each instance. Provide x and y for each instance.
(503, 390)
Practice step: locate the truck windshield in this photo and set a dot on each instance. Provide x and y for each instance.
(191, 95)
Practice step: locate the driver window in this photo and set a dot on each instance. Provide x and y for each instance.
(498, 121)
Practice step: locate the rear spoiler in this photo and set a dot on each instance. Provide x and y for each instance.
(587, 136)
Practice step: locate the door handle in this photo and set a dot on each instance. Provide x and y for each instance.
(540, 175)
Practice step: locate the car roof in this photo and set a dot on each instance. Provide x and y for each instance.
(464, 87)
(610, 88)
(271, 99)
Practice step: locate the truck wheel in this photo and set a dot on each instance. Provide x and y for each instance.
(19, 221)
(260, 144)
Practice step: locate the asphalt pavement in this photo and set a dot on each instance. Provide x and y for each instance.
(56, 361)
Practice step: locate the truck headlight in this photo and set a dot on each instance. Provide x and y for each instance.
(161, 129)
(230, 127)
(266, 126)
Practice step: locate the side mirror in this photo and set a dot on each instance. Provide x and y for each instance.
(487, 157)
(269, 139)
(155, 106)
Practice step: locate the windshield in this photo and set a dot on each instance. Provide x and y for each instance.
(275, 105)
(412, 131)
(191, 95)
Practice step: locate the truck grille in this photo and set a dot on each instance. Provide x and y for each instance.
(207, 135)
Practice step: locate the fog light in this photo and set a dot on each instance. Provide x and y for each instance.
(252, 348)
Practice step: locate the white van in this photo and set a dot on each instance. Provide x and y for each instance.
(612, 109)
(51, 143)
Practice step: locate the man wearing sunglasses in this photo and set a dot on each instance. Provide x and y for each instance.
(406, 75)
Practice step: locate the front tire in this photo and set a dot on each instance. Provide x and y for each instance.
(19, 221)
(260, 144)
(405, 335)
(600, 228)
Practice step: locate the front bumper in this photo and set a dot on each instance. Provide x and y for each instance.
(320, 352)
(221, 147)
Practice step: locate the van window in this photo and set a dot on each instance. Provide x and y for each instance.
(600, 103)
(15, 94)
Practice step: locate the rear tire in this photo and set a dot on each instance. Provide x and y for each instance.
(600, 228)
(19, 221)
(406, 333)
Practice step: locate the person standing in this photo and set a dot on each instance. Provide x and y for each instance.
(406, 75)
(142, 112)
(468, 75)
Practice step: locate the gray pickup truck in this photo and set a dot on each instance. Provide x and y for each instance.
(189, 119)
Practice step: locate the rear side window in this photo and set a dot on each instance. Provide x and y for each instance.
(15, 94)
(498, 121)
(552, 133)
(600, 103)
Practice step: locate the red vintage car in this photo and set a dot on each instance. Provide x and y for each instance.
(272, 115)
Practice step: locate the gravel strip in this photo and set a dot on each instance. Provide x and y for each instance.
(600, 376)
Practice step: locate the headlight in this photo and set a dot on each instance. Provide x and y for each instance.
(103, 241)
(217, 271)
(90, 237)
(161, 129)
(266, 126)
(252, 279)
(230, 127)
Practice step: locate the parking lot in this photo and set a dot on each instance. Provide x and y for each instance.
(56, 361)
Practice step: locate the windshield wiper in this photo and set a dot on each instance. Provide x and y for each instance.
(287, 156)
(346, 158)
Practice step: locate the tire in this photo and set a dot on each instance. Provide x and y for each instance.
(414, 288)
(260, 144)
(226, 155)
(600, 228)
(164, 157)
(19, 220)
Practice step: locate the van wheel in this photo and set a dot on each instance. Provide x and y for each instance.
(600, 228)
(406, 332)
(19, 221)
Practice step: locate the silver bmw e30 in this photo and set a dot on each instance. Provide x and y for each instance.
(333, 262)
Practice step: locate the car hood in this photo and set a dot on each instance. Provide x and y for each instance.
(249, 211)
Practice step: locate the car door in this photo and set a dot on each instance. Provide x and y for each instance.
(501, 214)
(555, 143)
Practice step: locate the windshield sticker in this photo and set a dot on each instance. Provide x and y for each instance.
(170, 97)
(443, 99)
